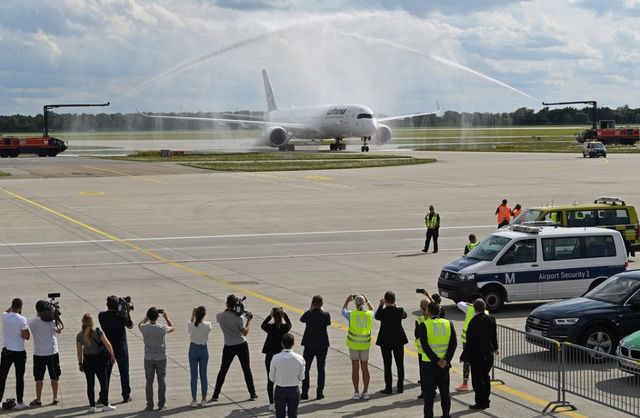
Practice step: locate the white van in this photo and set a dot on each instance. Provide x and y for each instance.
(526, 262)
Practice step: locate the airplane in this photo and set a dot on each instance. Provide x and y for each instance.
(337, 121)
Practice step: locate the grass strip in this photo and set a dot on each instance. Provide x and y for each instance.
(3, 174)
(154, 156)
(307, 164)
(553, 147)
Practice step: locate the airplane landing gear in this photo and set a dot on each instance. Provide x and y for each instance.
(365, 147)
(288, 147)
(338, 145)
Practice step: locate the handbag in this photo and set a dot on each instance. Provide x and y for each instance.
(102, 350)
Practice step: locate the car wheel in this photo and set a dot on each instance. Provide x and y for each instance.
(600, 339)
(493, 297)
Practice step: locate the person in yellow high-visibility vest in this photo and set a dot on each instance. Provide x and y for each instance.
(467, 308)
(438, 342)
(432, 222)
(359, 341)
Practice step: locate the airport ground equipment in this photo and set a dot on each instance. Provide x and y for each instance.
(604, 131)
(45, 145)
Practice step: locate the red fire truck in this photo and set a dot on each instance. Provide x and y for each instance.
(605, 131)
(45, 145)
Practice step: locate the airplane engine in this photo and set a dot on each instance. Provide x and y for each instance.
(275, 136)
(382, 135)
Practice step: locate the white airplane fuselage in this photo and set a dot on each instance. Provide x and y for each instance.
(326, 121)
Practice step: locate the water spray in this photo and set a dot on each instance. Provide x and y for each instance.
(436, 58)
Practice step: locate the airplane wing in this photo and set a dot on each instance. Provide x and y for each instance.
(412, 115)
(222, 120)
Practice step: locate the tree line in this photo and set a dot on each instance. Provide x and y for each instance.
(83, 122)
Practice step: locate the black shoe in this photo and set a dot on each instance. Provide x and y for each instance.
(127, 399)
(386, 391)
(421, 396)
(214, 398)
(253, 397)
(400, 389)
(304, 396)
(479, 407)
(435, 251)
(319, 396)
(424, 250)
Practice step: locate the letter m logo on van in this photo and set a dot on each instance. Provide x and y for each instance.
(509, 278)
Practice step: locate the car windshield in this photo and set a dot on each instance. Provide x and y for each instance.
(616, 290)
(527, 215)
(489, 248)
(597, 146)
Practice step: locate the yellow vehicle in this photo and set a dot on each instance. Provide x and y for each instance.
(604, 212)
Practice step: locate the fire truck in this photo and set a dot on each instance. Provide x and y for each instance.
(45, 145)
(604, 131)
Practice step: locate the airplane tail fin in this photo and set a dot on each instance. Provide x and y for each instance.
(268, 90)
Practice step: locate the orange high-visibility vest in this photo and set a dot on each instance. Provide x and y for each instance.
(516, 212)
(504, 214)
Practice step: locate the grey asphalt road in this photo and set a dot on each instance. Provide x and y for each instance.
(175, 238)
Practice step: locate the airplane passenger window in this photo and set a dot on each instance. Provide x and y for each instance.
(365, 116)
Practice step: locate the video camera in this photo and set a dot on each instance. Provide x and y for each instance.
(239, 307)
(124, 306)
(51, 311)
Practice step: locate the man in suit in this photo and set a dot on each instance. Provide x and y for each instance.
(479, 350)
(316, 344)
(438, 342)
(391, 339)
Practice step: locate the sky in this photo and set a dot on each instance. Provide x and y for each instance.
(395, 56)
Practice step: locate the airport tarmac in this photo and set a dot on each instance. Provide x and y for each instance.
(177, 237)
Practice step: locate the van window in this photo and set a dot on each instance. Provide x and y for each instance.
(523, 251)
(613, 217)
(488, 248)
(527, 215)
(576, 218)
(553, 217)
(567, 248)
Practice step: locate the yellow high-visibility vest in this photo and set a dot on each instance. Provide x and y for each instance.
(470, 314)
(431, 223)
(419, 321)
(359, 334)
(438, 336)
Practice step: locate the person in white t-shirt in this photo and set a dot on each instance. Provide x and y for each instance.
(198, 353)
(14, 332)
(45, 353)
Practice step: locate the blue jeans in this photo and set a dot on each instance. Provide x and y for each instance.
(198, 359)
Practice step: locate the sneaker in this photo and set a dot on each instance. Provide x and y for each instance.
(35, 403)
(203, 403)
(365, 396)
(463, 388)
(253, 397)
(108, 408)
(195, 404)
(92, 409)
(214, 398)
(162, 408)
(356, 396)
(99, 403)
(21, 405)
(271, 407)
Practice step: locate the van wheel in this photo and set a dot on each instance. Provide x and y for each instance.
(599, 338)
(493, 297)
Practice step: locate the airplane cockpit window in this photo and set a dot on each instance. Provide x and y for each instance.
(365, 116)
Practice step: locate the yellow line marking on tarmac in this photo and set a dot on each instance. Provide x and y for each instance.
(126, 175)
(257, 295)
(91, 193)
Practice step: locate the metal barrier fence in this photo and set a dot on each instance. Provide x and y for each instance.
(569, 368)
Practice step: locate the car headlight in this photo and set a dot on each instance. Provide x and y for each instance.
(468, 277)
(565, 321)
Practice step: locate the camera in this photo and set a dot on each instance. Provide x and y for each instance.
(51, 311)
(420, 290)
(238, 307)
(124, 306)
(161, 311)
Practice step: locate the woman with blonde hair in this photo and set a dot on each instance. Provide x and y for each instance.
(91, 362)
(359, 341)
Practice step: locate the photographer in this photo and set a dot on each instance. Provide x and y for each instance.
(273, 343)
(391, 339)
(234, 328)
(14, 333)
(359, 341)
(45, 350)
(155, 356)
(113, 324)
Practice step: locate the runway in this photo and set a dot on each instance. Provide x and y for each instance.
(176, 237)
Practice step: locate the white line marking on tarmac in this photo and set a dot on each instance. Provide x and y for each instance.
(270, 234)
(207, 260)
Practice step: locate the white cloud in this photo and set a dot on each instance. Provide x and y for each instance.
(99, 49)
